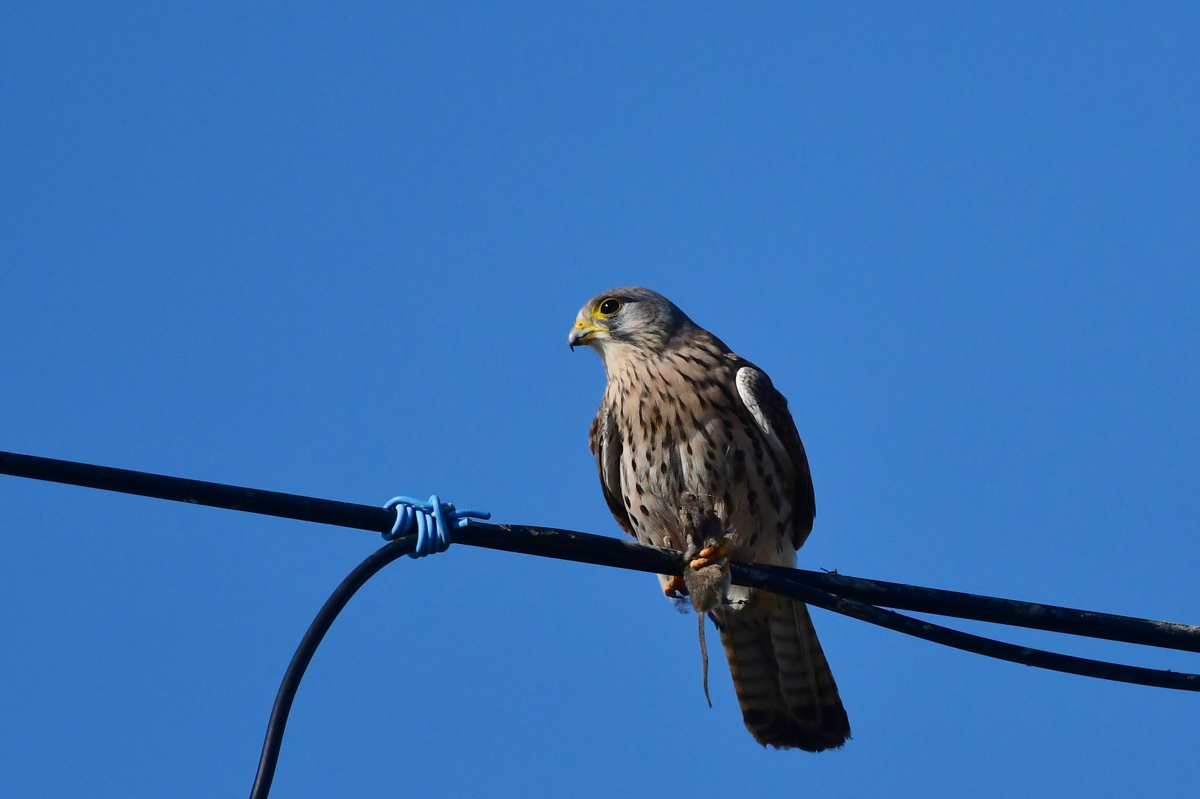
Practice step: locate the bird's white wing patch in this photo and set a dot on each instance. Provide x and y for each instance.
(750, 385)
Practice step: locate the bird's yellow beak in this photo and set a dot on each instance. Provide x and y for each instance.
(583, 332)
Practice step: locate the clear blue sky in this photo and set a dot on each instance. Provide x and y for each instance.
(337, 251)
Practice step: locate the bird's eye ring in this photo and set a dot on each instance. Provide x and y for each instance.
(609, 307)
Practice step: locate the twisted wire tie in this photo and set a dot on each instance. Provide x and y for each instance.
(432, 522)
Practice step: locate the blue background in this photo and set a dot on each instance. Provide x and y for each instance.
(337, 251)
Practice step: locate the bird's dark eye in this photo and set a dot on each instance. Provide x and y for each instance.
(609, 307)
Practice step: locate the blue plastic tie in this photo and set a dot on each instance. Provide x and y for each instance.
(431, 521)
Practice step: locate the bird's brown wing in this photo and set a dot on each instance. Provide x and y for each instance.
(770, 411)
(605, 444)
(785, 688)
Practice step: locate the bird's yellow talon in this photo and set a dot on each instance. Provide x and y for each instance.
(711, 555)
(675, 587)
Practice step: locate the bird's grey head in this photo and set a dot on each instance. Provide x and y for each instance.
(628, 318)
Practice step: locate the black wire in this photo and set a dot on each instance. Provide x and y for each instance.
(1053, 618)
(850, 596)
(606, 551)
(603, 550)
(199, 492)
(308, 646)
(753, 575)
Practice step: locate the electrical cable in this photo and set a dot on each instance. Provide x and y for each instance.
(851, 596)
(308, 647)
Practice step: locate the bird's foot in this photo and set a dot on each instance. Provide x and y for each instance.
(715, 555)
(674, 587)
(707, 574)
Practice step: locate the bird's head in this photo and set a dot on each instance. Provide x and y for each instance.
(631, 317)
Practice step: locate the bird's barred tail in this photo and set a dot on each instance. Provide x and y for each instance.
(783, 682)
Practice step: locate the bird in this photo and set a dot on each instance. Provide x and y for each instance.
(695, 442)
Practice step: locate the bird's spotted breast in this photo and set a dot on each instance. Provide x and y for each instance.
(686, 431)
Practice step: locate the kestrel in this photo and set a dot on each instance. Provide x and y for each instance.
(697, 452)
